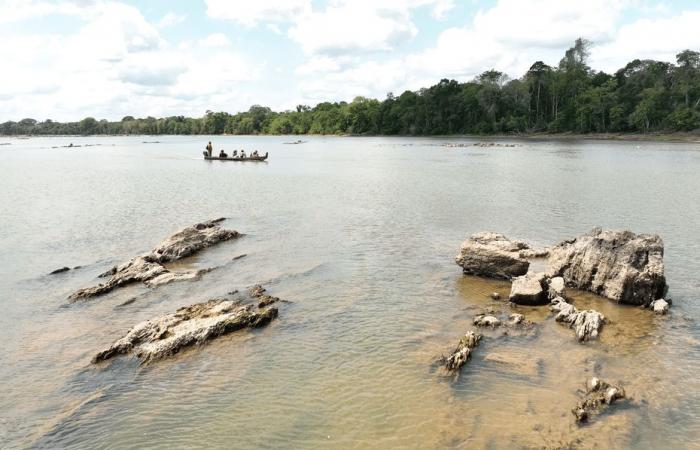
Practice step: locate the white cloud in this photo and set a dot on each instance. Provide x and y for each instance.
(18, 10)
(250, 13)
(215, 40)
(171, 19)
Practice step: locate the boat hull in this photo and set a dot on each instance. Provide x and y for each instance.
(237, 158)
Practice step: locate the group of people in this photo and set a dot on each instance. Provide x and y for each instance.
(223, 154)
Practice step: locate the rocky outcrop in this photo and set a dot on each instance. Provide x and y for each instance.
(599, 395)
(149, 269)
(263, 298)
(529, 289)
(492, 255)
(190, 325)
(461, 354)
(619, 265)
(586, 324)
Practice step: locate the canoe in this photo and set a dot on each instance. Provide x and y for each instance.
(235, 158)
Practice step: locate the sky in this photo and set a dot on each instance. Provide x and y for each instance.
(67, 60)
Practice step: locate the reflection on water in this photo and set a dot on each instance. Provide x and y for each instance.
(360, 235)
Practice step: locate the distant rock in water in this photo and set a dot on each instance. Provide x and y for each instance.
(599, 396)
(492, 255)
(191, 325)
(619, 265)
(148, 268)
(61, 270)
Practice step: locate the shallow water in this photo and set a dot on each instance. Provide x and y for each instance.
(359, 234)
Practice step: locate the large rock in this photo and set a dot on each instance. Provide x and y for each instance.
(586, 324)
(191, 325)
(529, 289)
(149, 269)
(492, 255)
(619, 265)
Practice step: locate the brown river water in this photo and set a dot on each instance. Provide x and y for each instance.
(359, 234)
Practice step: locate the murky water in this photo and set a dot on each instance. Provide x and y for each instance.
(360, 234)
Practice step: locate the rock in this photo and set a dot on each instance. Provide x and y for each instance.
(61, 270)
(495, 296)
(529, 289)
(586, 324)
(659, 306)
(492, 255)
(529, 253)
(484, 320)
(516, 319)
(619, 265)
(191, 325)
(148, 268)
(599, 395)
(461, 354)
(258, 292)
(556, 288)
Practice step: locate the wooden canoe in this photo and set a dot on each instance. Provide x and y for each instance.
(235, 158)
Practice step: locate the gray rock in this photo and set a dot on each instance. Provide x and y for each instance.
(587, 324)
(495, 296)
(148, 268)
(516, 319)
(61, 270)
(619, 265)
(659, 306)
(492, 255)
(529, 289)
(485, 320)
(461, 354)
(166, 335)
(599, 395)
(557, 288)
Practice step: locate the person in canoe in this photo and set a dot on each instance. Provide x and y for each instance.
(222, 154)
(209, 148)
(242, 153)
(235, 153)
(254, 154)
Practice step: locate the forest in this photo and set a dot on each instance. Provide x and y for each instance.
(644, 96)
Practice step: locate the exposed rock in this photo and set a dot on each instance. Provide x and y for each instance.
(492, 255)
(534, 253)
(516, 319)
(61, 270)
(599, 395)
(619, 265)
(529, 289)
(461, 354)
(264, 299)
(659, 306)
(148, 268)
(556, 288)
(484, 320)
(495, 296)
(190, 325)
(586, 324)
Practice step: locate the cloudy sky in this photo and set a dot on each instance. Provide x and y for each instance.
(65, 60)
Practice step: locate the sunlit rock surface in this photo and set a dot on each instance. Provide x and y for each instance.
(492, 255)
(586, 324)
(599, 396)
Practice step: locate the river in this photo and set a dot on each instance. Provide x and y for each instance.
(359, 234)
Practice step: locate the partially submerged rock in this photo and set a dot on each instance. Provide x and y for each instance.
(461, 354)
(619, 265)
(61, 270)
(529, 289)
(191, 325)
(586, 324)
(264, 299)
(149, 269)
(486, 320)
(659, 306)
(492, 255)
(599, 395)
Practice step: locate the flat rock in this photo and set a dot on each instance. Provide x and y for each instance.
(492, 255)
(587, 324)
(148, 268)
(619, 265)
(486, 320)
(191, 325)
(529, 289)
(599, 396)
(461, 354)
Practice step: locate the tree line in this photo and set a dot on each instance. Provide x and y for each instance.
(643, 96)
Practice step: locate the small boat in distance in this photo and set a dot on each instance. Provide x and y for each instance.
(235, 158)
(298, 141)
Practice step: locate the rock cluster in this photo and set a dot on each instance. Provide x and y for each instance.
(264, 299)
(461, 354)
(149, 269)
(586, 324)
(619, 265)
(599, 395)
(493, 255)
(191, 325)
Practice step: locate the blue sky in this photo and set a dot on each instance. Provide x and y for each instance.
(68, 59)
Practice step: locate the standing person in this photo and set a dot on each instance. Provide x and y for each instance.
(209, 148)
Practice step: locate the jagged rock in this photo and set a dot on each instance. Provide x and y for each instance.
(264, 299)
(659, 306)
(556, 288)
(516, 319)
(485, 320)
(586, 324)
(61, 270)
(190, 325)
(619, 265)
(495, 296)
(148, 268)
(492, 255)
(529, 289)
(599, 395)
(461, 354)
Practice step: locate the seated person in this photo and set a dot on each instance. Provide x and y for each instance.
(235, 153)
(242, 153)
(255, 153)
(222, 154)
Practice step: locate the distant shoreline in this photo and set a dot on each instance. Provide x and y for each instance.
(649, 137)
